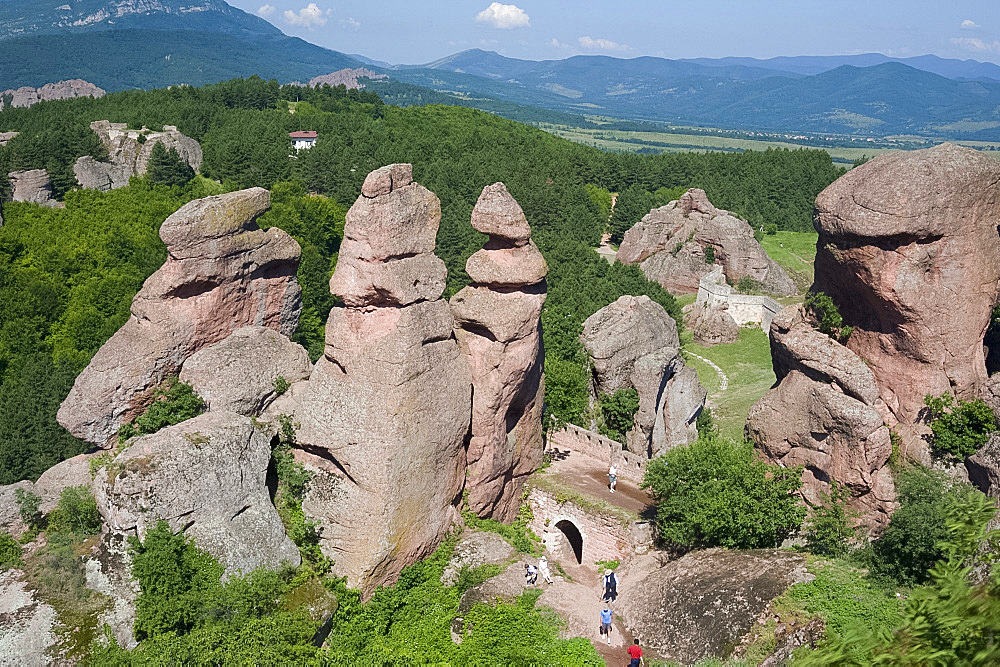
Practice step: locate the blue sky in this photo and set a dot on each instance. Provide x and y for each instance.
(418, 31)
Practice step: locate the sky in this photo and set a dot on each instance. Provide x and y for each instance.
(420, 31)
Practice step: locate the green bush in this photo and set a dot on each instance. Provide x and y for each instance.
(10, 551)
(829, 530)
(748, 285)
(710, 254)
(770, 229)
(705, 422)
(959, 430)
(911, 543)
(518, 533)
(828, 317)
(76, 513)
(281, 385)
(28, 504)
(173, 402)
(618, 413)
(716, 492)
(293, 482)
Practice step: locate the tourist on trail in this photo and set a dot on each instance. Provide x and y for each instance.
(610, 586)
(530, 574)
(543, 568)
(606, 615)
(612, 478)
(634, 654)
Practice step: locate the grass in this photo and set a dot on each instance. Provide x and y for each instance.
(747, 363)
(795, 252)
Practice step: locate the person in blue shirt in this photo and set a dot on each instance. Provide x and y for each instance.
(606, 616)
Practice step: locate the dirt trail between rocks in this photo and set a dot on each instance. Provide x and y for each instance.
(590, 476)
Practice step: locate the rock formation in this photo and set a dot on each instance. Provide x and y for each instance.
(909, 251)
(128, 153)
(670, 243)
(824, 413)
(205, 476)
(699, 606)
(28, 630)
(26, 96)
(384, 416)
(633, 343)
(984, 467)
(475, 550)
(499, 329)
(32, 186)
(5, 137)
(222, 273)
(242, 373)
(346, 77)
(711, 325)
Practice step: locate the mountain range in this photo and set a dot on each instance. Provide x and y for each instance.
(121, 44)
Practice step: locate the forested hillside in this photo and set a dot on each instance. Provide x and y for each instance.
(82, 265)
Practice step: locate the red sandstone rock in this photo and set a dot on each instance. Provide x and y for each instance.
(908, 249)
(498, 325)
(222, 273)
(669, 245)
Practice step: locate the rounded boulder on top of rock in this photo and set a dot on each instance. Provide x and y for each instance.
(498, 214)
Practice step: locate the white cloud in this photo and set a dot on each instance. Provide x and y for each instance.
(969, 24)
(265, 10)
(505, 17)
(602, 44)
(351, 23)
(976, 44)
(559, 45)
(308, 17)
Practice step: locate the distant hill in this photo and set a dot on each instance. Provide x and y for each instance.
(885, 98)
(951, 68)
(120, 44)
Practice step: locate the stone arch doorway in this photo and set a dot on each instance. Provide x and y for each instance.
(570, 539)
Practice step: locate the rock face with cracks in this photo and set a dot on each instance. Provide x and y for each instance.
(129, 152)
(498, 326)
(633, 343)
(909, 250)
(222, 273)
(825, 414)
(670, 244)
(384, 415)
(32, 186)
(207, 477)
(242, 373)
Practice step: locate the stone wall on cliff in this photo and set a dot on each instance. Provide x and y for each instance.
(670, 245)
(222, 273)
(129, 152)
(499, 329)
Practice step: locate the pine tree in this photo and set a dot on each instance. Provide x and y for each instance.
(166, 167)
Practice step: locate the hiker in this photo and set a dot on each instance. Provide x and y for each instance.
(606, 615)
(612, 478)
(543, 567)
(530, 574)
(635, 654)
(610, 586)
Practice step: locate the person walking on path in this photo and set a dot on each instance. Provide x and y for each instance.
(635, 654)
(543, 568)
(610, 586)
(530, 574)
(612, 478)
(606, 616)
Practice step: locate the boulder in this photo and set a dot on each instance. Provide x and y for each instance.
(711, 325)
(222, 273)
(498, 326)
(5, 137)
(10, 514)
(28, 630)
(669, 245)
(633, 343)
(908, 249)
(700, 605)
(241, 373)
(346, 77)
(129, 152)
(206, 476)
(475, 550)
(32, 186)
(984, 467)
(73, 471)
(824, 413)
(384, 415)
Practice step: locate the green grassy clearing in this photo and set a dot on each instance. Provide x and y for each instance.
(795, 252)
(747, 363)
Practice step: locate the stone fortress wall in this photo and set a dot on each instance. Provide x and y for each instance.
(746, 309)
(631, 466)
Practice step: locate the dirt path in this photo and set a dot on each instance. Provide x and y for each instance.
(723, 378)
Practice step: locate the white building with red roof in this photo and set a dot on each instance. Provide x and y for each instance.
(303, 139)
